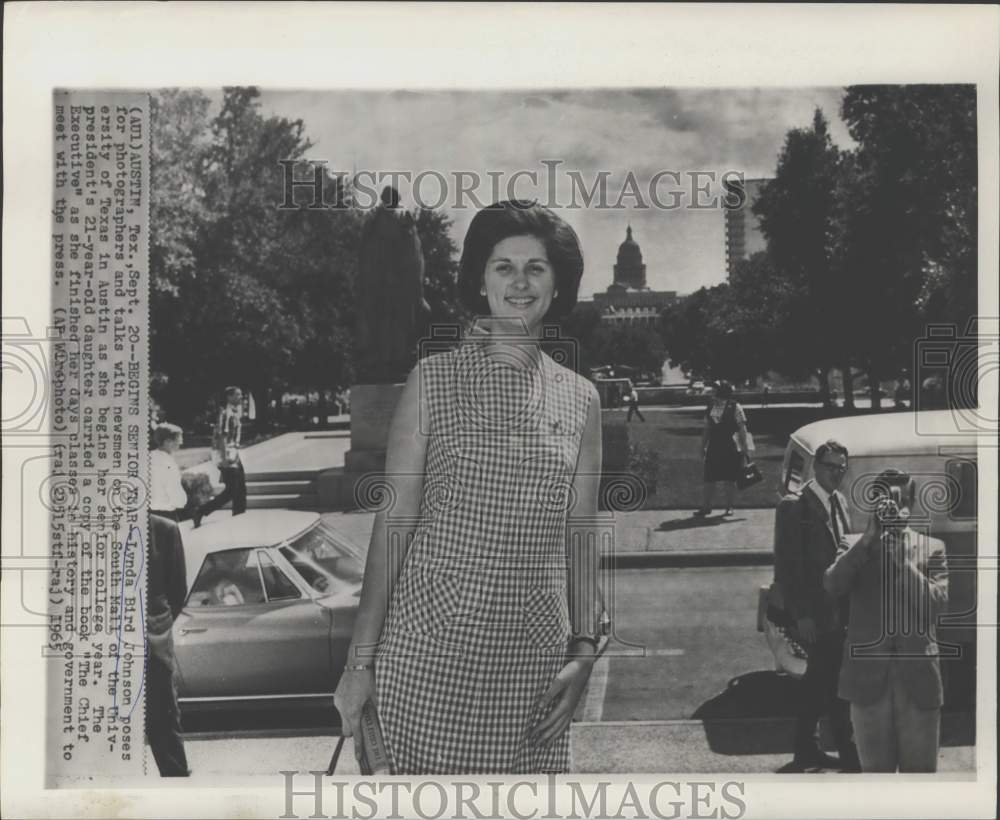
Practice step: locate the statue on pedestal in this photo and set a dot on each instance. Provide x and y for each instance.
(390, 293)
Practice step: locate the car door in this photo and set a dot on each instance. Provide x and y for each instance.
(247, 630)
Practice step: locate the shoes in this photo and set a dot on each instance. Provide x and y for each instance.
(701, 513)
(849, 761)
(729, 511)
(816, 760)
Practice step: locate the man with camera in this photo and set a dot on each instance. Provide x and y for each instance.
(809, 529)
(897, 578)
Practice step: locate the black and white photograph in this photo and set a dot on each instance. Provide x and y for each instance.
(456, 323)
(578, 435)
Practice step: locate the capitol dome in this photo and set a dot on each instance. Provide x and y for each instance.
(630, 271)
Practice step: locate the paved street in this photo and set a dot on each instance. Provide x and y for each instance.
(688, 685)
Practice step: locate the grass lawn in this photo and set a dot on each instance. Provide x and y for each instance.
(676, 436)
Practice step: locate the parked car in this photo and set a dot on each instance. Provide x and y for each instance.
(943, 463)
(272, 598)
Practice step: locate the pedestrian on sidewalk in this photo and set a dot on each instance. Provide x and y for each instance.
(167, 496)
(633, 404)
(476, 648)
(898, 584)
(724, 455)
(226, 452)
(809, 529)
(165, 599)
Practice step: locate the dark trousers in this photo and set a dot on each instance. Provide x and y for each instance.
(634, 408)
(235, 479)
(163, 719)
(818, 697)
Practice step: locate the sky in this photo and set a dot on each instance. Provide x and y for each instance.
(688, 134)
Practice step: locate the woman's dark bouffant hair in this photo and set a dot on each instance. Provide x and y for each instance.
(503, 220)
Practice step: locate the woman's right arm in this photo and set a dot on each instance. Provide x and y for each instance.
(404, 469)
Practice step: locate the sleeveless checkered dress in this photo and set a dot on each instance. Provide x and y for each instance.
(478, 621)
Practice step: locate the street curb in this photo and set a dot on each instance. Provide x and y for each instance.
(688, 558)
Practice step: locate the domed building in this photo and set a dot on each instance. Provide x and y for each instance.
(630, 271)
(628, 300)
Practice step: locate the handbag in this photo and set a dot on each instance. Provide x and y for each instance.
(749, 475)
(790, 656)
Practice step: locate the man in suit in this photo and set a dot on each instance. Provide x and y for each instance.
(165, 598)
(809, 528)
(898, 584)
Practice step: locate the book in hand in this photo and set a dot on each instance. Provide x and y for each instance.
(374, 757)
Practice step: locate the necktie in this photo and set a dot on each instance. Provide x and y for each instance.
(835, 517)
(844, 606)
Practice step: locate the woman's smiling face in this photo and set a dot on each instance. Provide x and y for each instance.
(519, 281)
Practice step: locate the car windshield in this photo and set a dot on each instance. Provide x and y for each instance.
(326, 562)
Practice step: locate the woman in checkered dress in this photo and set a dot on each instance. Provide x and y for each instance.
(476, 642)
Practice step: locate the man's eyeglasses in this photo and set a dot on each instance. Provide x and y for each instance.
(834, 468)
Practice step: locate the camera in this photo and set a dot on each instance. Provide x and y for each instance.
(889, 508)
(41, 383)
(956, 371)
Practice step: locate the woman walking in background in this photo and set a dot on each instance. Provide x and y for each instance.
(724, 456)
(476, 645)
(226, 447)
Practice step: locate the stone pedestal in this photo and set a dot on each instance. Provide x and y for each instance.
(372, 408)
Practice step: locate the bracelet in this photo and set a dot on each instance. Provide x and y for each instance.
(360, 667)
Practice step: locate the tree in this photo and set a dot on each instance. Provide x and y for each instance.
(585, 327)
(440, 268)
(690, 331)
(758, 305)
(796, 211)
(918, 145)
(639, 346)
(907, 232)
(244, 292)
(177, 199)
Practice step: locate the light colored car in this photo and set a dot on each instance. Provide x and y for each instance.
(272, 598)
(943, 463)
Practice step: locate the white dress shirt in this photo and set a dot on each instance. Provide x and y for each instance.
(824, 498)
(167, 492)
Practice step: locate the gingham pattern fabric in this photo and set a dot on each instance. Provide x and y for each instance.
(478, 623)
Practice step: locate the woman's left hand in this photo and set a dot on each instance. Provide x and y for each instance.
(560, 700)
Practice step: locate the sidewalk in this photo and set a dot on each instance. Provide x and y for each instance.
(654, 537)
(642, 538)
(738, 746)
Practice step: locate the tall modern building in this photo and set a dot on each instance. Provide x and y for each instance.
(628, 300)
(743, 234)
